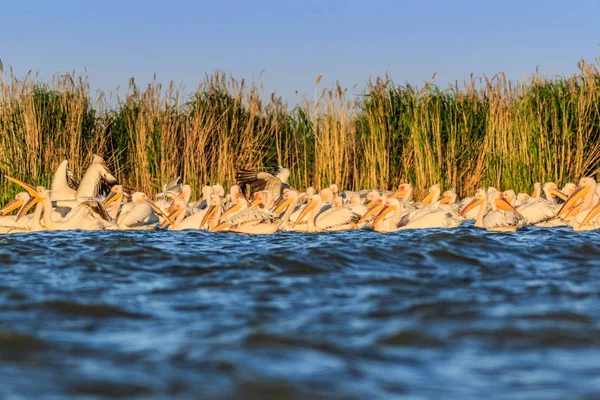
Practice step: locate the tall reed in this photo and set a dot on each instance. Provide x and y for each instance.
(484, 131)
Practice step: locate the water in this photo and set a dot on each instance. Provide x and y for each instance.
(425, 314)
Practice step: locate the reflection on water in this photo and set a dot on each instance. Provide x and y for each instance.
(463, 313)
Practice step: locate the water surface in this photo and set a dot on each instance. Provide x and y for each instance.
(424, 314)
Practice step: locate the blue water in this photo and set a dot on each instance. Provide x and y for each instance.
(425, 314)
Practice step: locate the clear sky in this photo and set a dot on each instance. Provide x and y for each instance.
(296, 41)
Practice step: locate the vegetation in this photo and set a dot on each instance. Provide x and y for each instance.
(483, 132)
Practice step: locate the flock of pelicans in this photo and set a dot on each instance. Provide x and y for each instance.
(263, 202)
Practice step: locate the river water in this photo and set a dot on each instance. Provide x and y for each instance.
(423, 314)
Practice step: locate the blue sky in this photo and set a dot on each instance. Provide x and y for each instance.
(296, 41)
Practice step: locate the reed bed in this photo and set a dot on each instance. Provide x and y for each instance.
(485, 131)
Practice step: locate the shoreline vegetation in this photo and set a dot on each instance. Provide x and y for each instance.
(485, 131)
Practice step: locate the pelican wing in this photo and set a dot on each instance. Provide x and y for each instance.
(97, 181)
(251, 215)
(64, 186)
(261, 181)
(500, 219)
(141, 213)
(96, 207)
(538, 211)
(336, 216)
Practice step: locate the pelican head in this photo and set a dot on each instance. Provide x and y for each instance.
(404, 192)
(510, 196)
(218, 190)
(18, 203)
(313, 202)
(116, 194)
(391, 205)
(140, 197)
(175, 210)
(480, 198)
(434, 194)
(289, 196)
(326, 195)
(372, 195)
(551, 190)
(375, 207)
(355, 199)
(586, 185)
(448, 197)
(334, 189)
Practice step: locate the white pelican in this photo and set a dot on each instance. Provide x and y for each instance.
(171, 188)
(10, 223)
(96, 181)
(538, 211)
(245, 219)
(502, 217)
(177, 219)
(331, 219)
(275, 181)
(137, 214)
(89, 215)
(404, 193)
(403, 218)
(64, 186)
(578, 205)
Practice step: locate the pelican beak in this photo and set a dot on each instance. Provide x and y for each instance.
(427, 200)
(573, 211)
(398, 194)
(199, 201)
(171, 217)
(232, 210)
(572, 200)
(255, 203)
(27, 206)
(171, 207)
(13, 205)
(209, 214)
(559, 194)
(375, 208)
(159, 212)
(505, 205)
(592, 214)
(385, 211)
(474, 203)
(305, 212)
(112, 197)
(445, 200)
(219, 227)
(282, 206)
(30, 189)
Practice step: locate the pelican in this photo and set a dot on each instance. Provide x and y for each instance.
(502, 217)
(404, 192)
(275, 181)
(578, 205)
(245, 219)
(137, 214)
(538, 211)
(10, 223)
(177, 219)
(419, 219)
(64, 186)
(331, 219)
(89, 215)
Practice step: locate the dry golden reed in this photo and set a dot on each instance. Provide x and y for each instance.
(485, 131)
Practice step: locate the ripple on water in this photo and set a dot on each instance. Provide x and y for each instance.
(348, 314)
